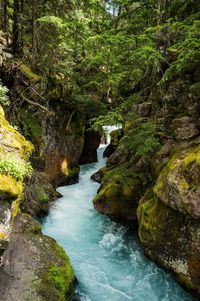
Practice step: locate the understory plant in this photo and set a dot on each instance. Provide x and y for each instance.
(15, 167)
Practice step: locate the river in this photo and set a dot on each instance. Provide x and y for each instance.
(108, 260)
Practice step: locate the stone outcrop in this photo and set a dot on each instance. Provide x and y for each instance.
(34, 267)
(178, 184)
(171, 239)
(14, 148)
(92, 141)
(185, 128)
(56, 131)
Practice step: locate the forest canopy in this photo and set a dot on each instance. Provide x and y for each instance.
(113, 52)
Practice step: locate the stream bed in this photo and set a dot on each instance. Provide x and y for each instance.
(108, 260)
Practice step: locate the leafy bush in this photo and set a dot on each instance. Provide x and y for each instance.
(142, 140)
(14, 167)
(3, 97)
(186, 49)
(111, 118)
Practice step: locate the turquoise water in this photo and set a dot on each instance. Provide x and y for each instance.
(108, 261)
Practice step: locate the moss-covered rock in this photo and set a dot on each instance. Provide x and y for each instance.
(29, 74)
(172, 239)
(9, 188)
(120, 192)
(185, 128)
(12, 141)
(178, 184)
(37, 267)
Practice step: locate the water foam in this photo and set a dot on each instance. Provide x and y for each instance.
(109, 263)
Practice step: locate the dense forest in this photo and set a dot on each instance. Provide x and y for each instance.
(67, 70)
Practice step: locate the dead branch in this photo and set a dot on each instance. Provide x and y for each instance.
(70, 119)
(33, 103)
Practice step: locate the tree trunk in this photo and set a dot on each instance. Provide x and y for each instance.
(17, 33)
(6, 19)
(34, 35)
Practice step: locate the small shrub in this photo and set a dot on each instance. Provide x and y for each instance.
(14, 167)
(142, 140)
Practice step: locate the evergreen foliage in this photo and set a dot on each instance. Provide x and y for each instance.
(104, 53)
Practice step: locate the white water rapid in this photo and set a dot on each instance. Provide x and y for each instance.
(108, 261)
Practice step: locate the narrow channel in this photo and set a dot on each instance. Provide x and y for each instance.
(108, 261)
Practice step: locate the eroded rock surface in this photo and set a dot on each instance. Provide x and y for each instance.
(34, 267)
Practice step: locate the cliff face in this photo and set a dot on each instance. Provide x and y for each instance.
(160, 188)
(32, 265)
(52, 121)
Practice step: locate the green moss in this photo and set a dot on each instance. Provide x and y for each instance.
(173, 51)
(3, 236)
(186, 281)
(151, 215)
(196, 86)
(32, 127)
(111, 197)
(2, 111)
(193, 155)
(71, 173)
(61, 277)
(33, 77)
(41, 195)
(12, 139)
(15, 209)
(184, 158)
(10, 187)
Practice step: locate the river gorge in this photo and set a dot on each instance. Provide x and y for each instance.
(108, 260)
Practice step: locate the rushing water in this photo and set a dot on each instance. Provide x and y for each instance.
(108, 261)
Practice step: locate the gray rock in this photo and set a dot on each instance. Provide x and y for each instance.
(27, 264)
(143, 109)
(185, 128)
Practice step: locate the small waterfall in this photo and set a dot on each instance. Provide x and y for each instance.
(108, 129)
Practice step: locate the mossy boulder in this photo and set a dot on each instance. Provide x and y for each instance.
(14, 145)
(172, 239)
(34, 266)
(98, 176)
(12, 141)
(178, 184)
(120, 191)
(10, 189)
